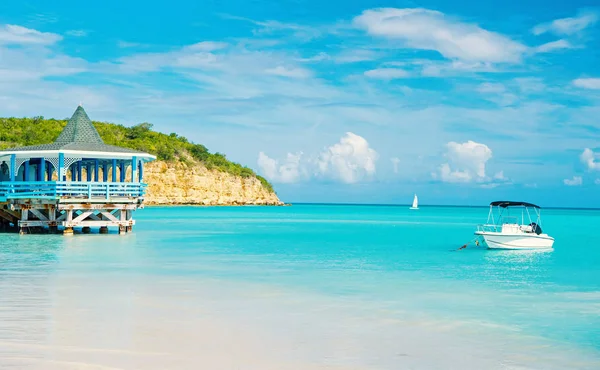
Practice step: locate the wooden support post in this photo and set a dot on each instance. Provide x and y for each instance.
(123, 218)
(130, 224)
(52, 214)
(24, 217)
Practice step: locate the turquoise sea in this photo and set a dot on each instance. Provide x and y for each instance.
(301, 287)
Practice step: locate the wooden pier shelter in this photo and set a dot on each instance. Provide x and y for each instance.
(77, 181)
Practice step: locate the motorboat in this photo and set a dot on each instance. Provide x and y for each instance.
(415, 203)
(504, 230)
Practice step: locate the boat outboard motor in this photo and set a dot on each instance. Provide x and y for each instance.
(536, 228)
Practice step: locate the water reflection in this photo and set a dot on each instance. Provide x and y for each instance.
(518, 256)
(518, 268)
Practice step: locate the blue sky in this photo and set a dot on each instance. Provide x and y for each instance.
(353, 101)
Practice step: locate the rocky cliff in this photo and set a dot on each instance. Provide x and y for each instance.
(191, 182)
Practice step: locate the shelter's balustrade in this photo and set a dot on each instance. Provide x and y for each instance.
(66, 190)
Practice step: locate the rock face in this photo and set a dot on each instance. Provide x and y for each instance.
(193, 183)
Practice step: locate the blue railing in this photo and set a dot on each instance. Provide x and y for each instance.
(70, 189)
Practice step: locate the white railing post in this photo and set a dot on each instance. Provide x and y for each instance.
(107, 191)
(89, 191)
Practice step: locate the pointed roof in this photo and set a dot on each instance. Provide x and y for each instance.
(79, 135)
(79, 129)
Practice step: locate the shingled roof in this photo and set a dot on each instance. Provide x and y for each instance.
(80, 135)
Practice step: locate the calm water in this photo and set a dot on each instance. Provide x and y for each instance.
(308, 286)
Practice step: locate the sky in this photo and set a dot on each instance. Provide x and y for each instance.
(335, 101)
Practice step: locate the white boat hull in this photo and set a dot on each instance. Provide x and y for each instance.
(495, 240)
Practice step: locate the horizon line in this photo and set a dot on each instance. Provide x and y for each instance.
(425, 205)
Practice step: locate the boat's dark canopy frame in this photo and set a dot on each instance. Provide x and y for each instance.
(508, 203)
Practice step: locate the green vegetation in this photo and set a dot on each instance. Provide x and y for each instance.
(38, 130)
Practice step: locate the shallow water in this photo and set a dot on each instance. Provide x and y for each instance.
(308, 286)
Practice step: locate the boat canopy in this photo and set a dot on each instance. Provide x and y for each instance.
(508, 203)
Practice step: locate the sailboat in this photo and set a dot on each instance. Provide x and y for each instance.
(415, 204)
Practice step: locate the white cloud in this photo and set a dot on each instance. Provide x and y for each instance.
(17, 35)
(316, 58)
(33, 59)
(125, 44)
(305, 33)
(77, 33)
(567, 26)
(530, 84)
(554, 45)
(448, 68)
(351, 160)
(288, 172)
(355, 56)
(431, 30)
(386, 73)
(492, 88)
(207, 46)
(466, 162)
(215, 63)
(587, 83)
(575, 181)
(590, 159)
(395, 163)
(345, 56)
(499, 176)
(289, 72)
(497, 93)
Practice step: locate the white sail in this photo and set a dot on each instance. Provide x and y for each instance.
(415, 204)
